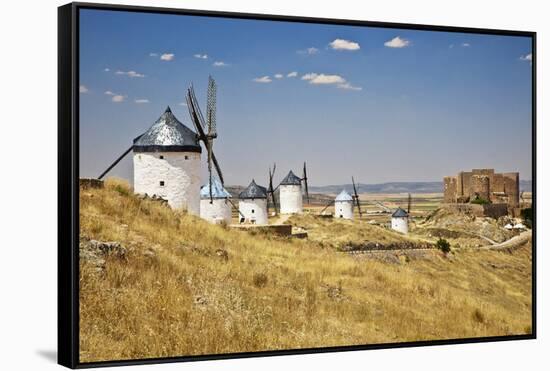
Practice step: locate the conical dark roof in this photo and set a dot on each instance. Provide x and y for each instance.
(400, 213)
(291, 179)
(167, 135)
(253, 191)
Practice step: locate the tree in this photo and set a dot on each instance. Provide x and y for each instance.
(443, 245)
(527, 216)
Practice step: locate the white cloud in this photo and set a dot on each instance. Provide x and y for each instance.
(118, 98)
(106, 69)
(308, 51)
(324, 79)
(317, 79)
(201, 56)
(153, 55)
(130, 73)
(141, 101)
(465, 45)
(451, 46)
(263, 79)
(219, 64)
(167, 57)
(341, 44)
(527, 57)
(292, 74)
(182, 104)
(397, 42)
(348, 86)
(278, 76)
(83, 89)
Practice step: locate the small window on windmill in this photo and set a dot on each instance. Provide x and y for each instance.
(161, 157)
(186, 157)
(252, 211)
(162, 183)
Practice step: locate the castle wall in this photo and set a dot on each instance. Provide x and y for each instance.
(466, 183)
(498, 183)
(489, 210)
(487, 172)
(499, 188)
(490, 173)
(450, 188)
(511, 186)
(479, 187)
(179, 172)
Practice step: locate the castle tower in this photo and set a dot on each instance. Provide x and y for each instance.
(218, 209)
(400, 221)
(253, 204)
(449, 189)
(290, 194)
(479, 185)
(167, 163)
(343, 206)
(511, 187)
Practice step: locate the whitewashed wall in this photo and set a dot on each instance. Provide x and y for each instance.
(343, 209)
(291, 199)
(259, 205)
(180, 172)
(216, 212)
(400, 224)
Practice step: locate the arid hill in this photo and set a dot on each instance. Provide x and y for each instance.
(158, 283)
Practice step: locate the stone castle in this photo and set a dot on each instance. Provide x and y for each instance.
(497, 188)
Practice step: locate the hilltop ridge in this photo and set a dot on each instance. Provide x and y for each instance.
(159, 283)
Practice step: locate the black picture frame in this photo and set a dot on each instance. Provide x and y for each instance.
(68, 182)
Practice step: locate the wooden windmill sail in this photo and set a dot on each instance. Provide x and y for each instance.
(304, 179)
(356, 197)
(331, 202)
(206, 130)
(270, 189)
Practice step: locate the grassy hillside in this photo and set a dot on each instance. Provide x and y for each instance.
(181, 286)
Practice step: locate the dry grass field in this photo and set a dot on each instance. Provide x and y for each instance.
(179, 286)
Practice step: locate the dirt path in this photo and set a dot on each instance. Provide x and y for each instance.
(512, 243)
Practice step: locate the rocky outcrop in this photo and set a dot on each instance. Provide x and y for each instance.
(95, 252)
(376, 246)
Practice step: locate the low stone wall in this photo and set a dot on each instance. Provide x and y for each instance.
(489, 210)
(277, 229)
(495, 210)
(90, 183)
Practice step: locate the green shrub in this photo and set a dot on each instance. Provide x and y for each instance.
(443, 245)
(480, 201)
(259, 280)
(527, 214)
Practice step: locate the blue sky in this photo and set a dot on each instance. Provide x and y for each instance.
(381, 104)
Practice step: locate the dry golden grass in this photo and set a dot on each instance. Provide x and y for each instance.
(337, 232)
(176, 293)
